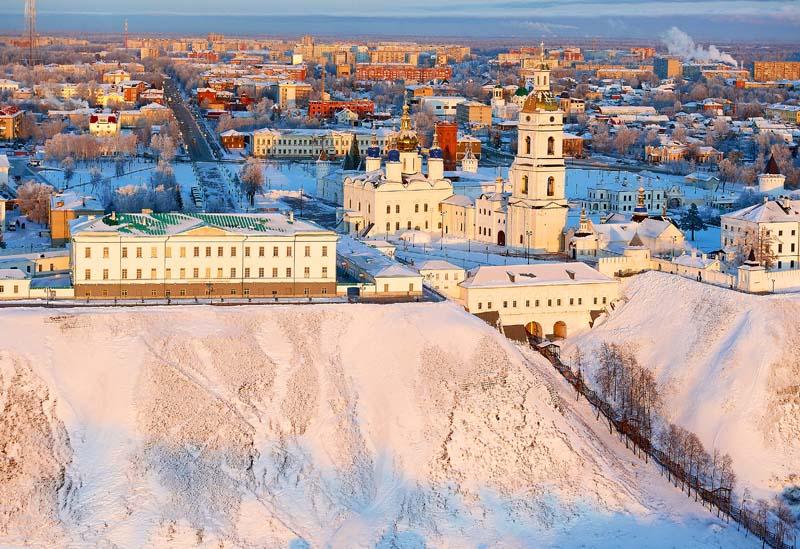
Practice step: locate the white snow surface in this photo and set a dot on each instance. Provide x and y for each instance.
(728, 364)
(408, 425)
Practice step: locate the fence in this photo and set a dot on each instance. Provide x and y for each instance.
(719, 498)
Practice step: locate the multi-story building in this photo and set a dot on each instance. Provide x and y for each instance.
(548, 300)
(770, 228)
(770, 71)
(10, 119)
(787, 113)
(309, 143)
(326, 109)
(104, 124)
(473, 113)
(177, 255)
(291, 95)
(64, 208)
(441, 106)
(667, 67)
(400, 71)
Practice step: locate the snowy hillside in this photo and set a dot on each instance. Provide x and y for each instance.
(729, 364)
(309, 426)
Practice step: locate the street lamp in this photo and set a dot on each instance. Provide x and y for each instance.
(528, 246)
(441, 240)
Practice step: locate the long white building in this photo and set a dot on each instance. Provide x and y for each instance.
(177, 255)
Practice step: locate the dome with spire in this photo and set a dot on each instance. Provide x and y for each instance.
(435, 150)
(540, 100)
(407, 141)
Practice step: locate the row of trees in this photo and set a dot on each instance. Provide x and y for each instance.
(89, 147)
(631, 399)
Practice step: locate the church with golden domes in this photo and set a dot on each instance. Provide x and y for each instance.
(396, 196)
(527, 211)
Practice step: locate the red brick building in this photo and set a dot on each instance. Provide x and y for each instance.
(326, 109)
(447, 134)
(290, 72)
(400, 71)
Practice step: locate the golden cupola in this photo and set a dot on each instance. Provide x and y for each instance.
(407, 140)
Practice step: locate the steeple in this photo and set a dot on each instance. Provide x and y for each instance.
(640, 211)
(373, 161)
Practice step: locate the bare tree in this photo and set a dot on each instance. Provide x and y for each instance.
(34, 200)
(252, 179)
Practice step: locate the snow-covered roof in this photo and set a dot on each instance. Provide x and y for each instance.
(437, 265)
(538, 274)
(11, 274)
(371, 260)
(694, 260)
(771, 211)
(72, 201)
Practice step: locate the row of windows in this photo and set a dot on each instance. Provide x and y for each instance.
(220, 251)
(220, 273)
(768, 231)
(15, 289)
(408, 226)
(537, 303)
(210, 291)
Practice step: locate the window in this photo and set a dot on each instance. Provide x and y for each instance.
(416, 208)
(247, 272)
(124, 251)
(388, 209)
(219, 272)
(571, 301)
(247, 251)
(105, 254)
(288, 272)
(489, 305)
(220, 251)
(261, 272)
(183, 293)
(182, 251)
(551, 186)
(105, 274)
(549, 302)
(153, 251)
(527, 144)
(182, 272)
(138, 274)
(425, 207)
(87, 252)
(306, 272)
(324, 251)
(261, 251)
(324, 272)
(196, 251)
(138, 251)
(208, 272)
(124, 293)
(397, 208)
(551, 146)
(595, 301)
(274, 272)
(233, 252)
(308, 251)
(604, 301)
(124, 274)
(288, 251)
(275, 251)
(505, 304)
(208, 251)
(558, 303)
(152, 274)
(524, 189)
(168, 252)
(480, 305)
(233, 272)
(167, 273)
(195, 273)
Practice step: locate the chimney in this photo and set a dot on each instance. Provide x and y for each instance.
(291, 216)
(146, 211)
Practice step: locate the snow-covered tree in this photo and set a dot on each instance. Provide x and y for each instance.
(252, 179)
(34, 200)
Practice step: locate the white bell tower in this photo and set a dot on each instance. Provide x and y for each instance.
(537, 209)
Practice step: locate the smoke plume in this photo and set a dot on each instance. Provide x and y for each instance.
(681, 45)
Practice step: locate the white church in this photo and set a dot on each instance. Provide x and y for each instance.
(529, 210)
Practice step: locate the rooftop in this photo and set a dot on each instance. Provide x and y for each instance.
(538, 274)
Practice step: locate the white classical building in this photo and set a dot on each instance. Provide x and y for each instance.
(550, 300)
(178, 255)
(771, 229)
(397, 196)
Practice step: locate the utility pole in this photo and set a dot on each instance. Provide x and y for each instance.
(30, 23)
(126, 34)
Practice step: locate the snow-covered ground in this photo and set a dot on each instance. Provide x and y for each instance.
(310, 426)
(729, 365)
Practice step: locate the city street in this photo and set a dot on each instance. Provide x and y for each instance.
(193, 135)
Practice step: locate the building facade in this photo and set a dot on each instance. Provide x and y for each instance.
(176, 255)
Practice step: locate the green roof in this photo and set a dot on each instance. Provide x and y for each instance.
(159, 224)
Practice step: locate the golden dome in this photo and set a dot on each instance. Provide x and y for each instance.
(540, 101)
(407, 141)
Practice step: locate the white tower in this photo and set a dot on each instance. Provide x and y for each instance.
(537, 209)
(469, 163)
(772, 178)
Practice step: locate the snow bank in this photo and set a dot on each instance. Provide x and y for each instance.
(729, 364)
(325, 425)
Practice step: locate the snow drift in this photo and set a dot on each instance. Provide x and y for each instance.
(338, 425)
(729, 365)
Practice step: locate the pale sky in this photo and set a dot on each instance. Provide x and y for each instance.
(784, 10)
